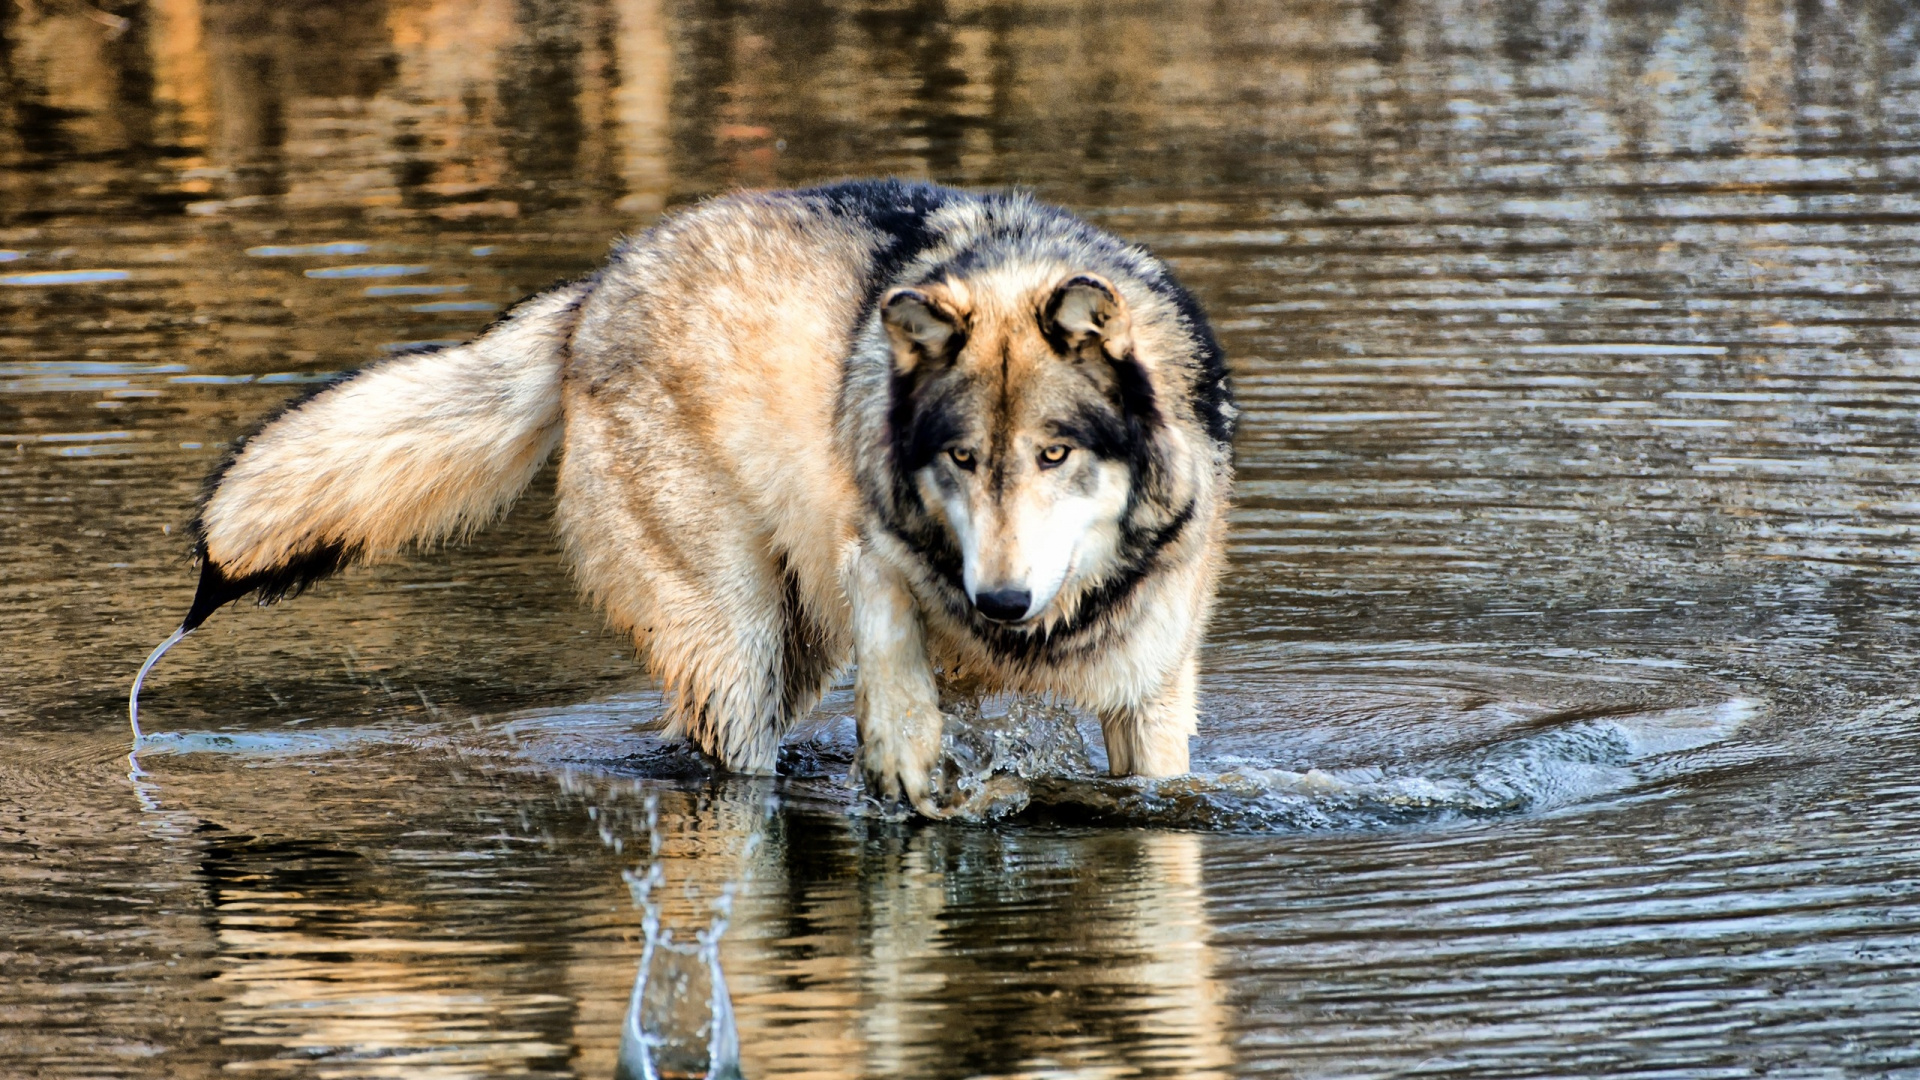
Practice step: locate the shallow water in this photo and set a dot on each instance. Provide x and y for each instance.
(1556, 716)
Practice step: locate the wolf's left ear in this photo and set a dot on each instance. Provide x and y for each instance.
(1085, 316)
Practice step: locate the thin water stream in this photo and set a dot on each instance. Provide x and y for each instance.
(1557, 716)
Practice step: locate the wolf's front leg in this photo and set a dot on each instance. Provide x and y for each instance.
(897, 705)
(1150, 739)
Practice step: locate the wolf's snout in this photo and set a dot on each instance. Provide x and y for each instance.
(1004, 605)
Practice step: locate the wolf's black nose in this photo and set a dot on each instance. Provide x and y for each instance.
(1005, 605)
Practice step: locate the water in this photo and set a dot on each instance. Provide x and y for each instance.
(1557, 718)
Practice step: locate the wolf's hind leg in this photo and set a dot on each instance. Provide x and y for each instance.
(662, 542)
(739, 662)
(1151, 738)
(736, 695)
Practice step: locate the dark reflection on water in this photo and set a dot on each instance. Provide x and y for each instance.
(1577, 347)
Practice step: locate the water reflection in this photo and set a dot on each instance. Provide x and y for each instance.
(680, 1017)
(850, 946)
(465, 111)
(368, 946)
(976, 951)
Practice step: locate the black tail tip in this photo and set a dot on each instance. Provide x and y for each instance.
(216, 590)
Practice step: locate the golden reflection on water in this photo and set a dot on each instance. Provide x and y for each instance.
(486, 110)
(916, 965)
(975, 953)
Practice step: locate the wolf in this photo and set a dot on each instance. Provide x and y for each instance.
(958, 440)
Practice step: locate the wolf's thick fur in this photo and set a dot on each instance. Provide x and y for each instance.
(919, 429)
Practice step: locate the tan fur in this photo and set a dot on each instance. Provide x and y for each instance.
(722, 492)
(699, 475)
(416, 450)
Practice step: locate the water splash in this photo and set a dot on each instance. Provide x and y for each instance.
(287, 745)
(1539, 771)
(133, 695)
(1032, 763)
(680, 1017)
(988, 763)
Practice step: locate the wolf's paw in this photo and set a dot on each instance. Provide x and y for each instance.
(897, 758)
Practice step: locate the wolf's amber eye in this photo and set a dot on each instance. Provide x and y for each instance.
(962, 457)
(1054, 455)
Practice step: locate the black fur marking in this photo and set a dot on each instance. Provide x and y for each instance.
(216, 589)
(1123, 431)
(806, 657)
(1103, 432)
(924, 424)
(1137, 400)
(1000, 429)
(896, 209)
(1213, 388)
(935, 548)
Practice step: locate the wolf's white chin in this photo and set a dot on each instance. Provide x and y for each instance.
(1044, 592)
(1054, 560)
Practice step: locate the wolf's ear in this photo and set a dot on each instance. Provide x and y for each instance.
(923, 326)
(1085, 316)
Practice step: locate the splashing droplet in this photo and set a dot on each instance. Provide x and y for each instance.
(680, 1018)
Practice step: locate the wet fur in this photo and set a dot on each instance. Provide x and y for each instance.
(747, 449)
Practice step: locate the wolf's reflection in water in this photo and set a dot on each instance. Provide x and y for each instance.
(1095, 951)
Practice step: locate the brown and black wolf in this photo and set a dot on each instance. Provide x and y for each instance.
(940, 435)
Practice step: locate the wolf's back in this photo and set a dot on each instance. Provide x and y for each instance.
(413, 450)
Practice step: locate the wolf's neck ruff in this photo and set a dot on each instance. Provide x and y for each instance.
(888, 423)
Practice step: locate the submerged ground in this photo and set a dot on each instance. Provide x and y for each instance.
(1558, 714)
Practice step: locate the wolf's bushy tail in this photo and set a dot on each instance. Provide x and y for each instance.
(419, 448)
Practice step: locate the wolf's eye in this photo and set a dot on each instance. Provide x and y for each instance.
(962, 457)
(1054, 455)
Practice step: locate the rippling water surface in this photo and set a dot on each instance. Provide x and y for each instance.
(1557, 717)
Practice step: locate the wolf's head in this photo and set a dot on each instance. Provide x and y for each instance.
(1025, 419)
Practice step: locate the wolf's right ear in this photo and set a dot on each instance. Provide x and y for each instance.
(922, 328)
